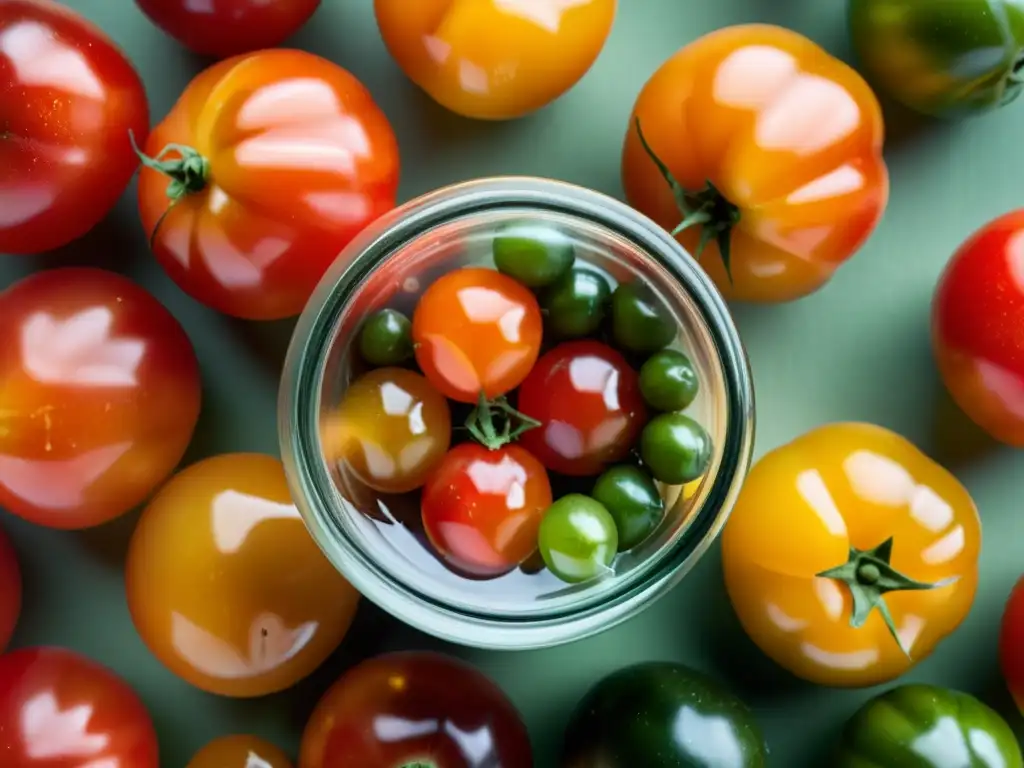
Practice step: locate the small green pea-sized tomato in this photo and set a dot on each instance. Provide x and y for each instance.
(1011, 644)
(662, 715)
(668, 381)
(922, 726)
(578, 538)
(576, 303)
(533, 253)
(631, 497)
(944, 58)
(386, 338)
(675, 448)
(239, 752)
(640, 321)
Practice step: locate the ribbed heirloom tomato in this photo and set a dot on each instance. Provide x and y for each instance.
(1011, 644)
(494, 59)
(99, 396)
(771, 159)
(10, 590)
(239, 752)
(978, 327)
(274, 161)
(68, 98)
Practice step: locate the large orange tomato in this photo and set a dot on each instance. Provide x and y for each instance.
(494, 59)
(268, 165)
(850, 555)
(763, 153)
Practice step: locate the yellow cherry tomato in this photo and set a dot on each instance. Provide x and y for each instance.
(850, 555)
(225, 585)
(494, 59)
(239, 752)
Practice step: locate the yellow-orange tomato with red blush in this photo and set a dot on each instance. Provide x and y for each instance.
(240, 751)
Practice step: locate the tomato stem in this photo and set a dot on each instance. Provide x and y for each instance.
(189, 174)
(869, 576)
(481, 422)
(418, 764)
(706, 208)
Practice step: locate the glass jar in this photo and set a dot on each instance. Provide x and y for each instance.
(375, 542)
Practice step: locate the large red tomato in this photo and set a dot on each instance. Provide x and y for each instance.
(229, 27)
(414, 709)
(99, 396)
(68, 98)
(1011, 644)
(61, 710)
(276, 161)
(978, 327)
(10, 590)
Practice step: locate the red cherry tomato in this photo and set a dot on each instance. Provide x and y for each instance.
(476, 330)
(10, 591)
(482, 508)
(228, 27)
(588, 402)
(99, 395)
(978, 328)
(405, 709)
(286, 158)
(68, 98)
(1011, 644)
(61, 710)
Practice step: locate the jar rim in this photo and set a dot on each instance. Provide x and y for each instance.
(302, 382)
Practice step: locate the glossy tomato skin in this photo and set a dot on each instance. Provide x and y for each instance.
(239, 752)
(300, 159)
(432, 708)
(99, 396)
(1011, 644)
(588, 401)
(495, 59)
(476, 330)
(59, 709)
(68, 97)
(229, 27)
(482, 508)
(254, 607)
(10, 590)
(788, 135)
(978, 328)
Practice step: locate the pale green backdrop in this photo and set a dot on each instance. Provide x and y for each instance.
(856, 350)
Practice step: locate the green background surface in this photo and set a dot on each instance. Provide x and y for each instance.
(856, 350)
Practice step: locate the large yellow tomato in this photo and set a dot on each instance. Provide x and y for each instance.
(850, 555)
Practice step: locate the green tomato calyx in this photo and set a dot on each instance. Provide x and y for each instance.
(189, 173)
(706, 208)
(869, 576)
(418, 764)
(495, 423)
(1014, 81)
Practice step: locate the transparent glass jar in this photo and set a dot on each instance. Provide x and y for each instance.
(375, 545)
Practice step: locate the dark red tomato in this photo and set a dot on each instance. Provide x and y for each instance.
(407, 709)
(1011, 644)
(10, 591)
(68, 98)
(99, 395)
(61, 710)
(978, 328)
(224, 28)
(482, 508)
(588, 401)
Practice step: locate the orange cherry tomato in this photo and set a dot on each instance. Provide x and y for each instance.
(286, 158)
(482, 508)
(391, 430)
(225, 585)
(239, 752)
(99, 396)
(851, 512)
(495, 59)
(10, 591)
(476, 330)
(777, 150)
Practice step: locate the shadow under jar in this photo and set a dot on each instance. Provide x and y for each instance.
(378, 541)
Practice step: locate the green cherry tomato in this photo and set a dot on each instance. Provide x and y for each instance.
(640, 322)
(675, 448)
(662, 715)
(668, 381)
(578, 539)
(386, 338)
(922, 726)
(941, 57)
(534, 254)
(576, 303)
(631, 497)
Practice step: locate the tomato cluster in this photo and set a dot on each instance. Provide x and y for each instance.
(561, 374)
